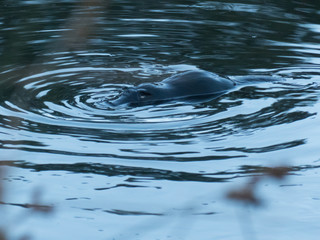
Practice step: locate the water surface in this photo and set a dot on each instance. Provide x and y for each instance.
(158, 171)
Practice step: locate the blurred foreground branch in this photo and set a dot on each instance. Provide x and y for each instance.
(81, 24)
(248, 193)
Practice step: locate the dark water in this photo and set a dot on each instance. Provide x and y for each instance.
(158, 171)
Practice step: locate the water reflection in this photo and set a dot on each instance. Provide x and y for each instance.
(267, 148)
(217, 35)
(134, 174)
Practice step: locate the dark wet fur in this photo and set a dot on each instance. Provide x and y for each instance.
(188, 86)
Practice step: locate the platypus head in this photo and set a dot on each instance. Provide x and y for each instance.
(142, 94)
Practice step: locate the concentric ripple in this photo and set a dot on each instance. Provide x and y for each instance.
(70, 105)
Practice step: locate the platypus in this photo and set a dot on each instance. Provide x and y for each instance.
(187, 85)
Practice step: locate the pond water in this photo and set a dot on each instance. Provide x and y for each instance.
(158, 171)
